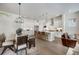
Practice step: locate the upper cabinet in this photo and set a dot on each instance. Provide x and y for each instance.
(57, 22)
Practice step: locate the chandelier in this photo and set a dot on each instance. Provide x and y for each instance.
(19, 19)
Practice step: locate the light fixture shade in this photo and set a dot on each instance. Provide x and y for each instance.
(19, 20)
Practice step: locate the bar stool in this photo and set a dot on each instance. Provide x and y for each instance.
(31, 42)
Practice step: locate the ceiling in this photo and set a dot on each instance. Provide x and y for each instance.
(39, 10)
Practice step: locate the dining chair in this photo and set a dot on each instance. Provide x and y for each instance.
(21, 44)
(8, 43)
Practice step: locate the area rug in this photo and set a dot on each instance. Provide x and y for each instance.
(32, 51)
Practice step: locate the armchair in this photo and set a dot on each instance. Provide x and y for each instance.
(68, 42)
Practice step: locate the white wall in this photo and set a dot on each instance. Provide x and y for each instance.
(69, 27)
(8, 25)
(77, 27)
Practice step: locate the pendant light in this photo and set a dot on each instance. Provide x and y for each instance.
(19, 19)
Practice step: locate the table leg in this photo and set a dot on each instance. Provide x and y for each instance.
(3, 50)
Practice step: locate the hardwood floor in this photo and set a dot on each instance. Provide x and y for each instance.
(51, 48)
(43, 48)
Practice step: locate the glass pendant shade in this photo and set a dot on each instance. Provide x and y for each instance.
(19, 19)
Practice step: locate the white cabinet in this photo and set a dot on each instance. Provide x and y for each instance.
(51, 36)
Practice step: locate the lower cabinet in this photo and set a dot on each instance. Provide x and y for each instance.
(42, 35)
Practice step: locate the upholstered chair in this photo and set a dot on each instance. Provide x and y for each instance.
(31, 38)
(21, 44)
(8, 43)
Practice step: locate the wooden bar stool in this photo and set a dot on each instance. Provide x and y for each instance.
(31, 42)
